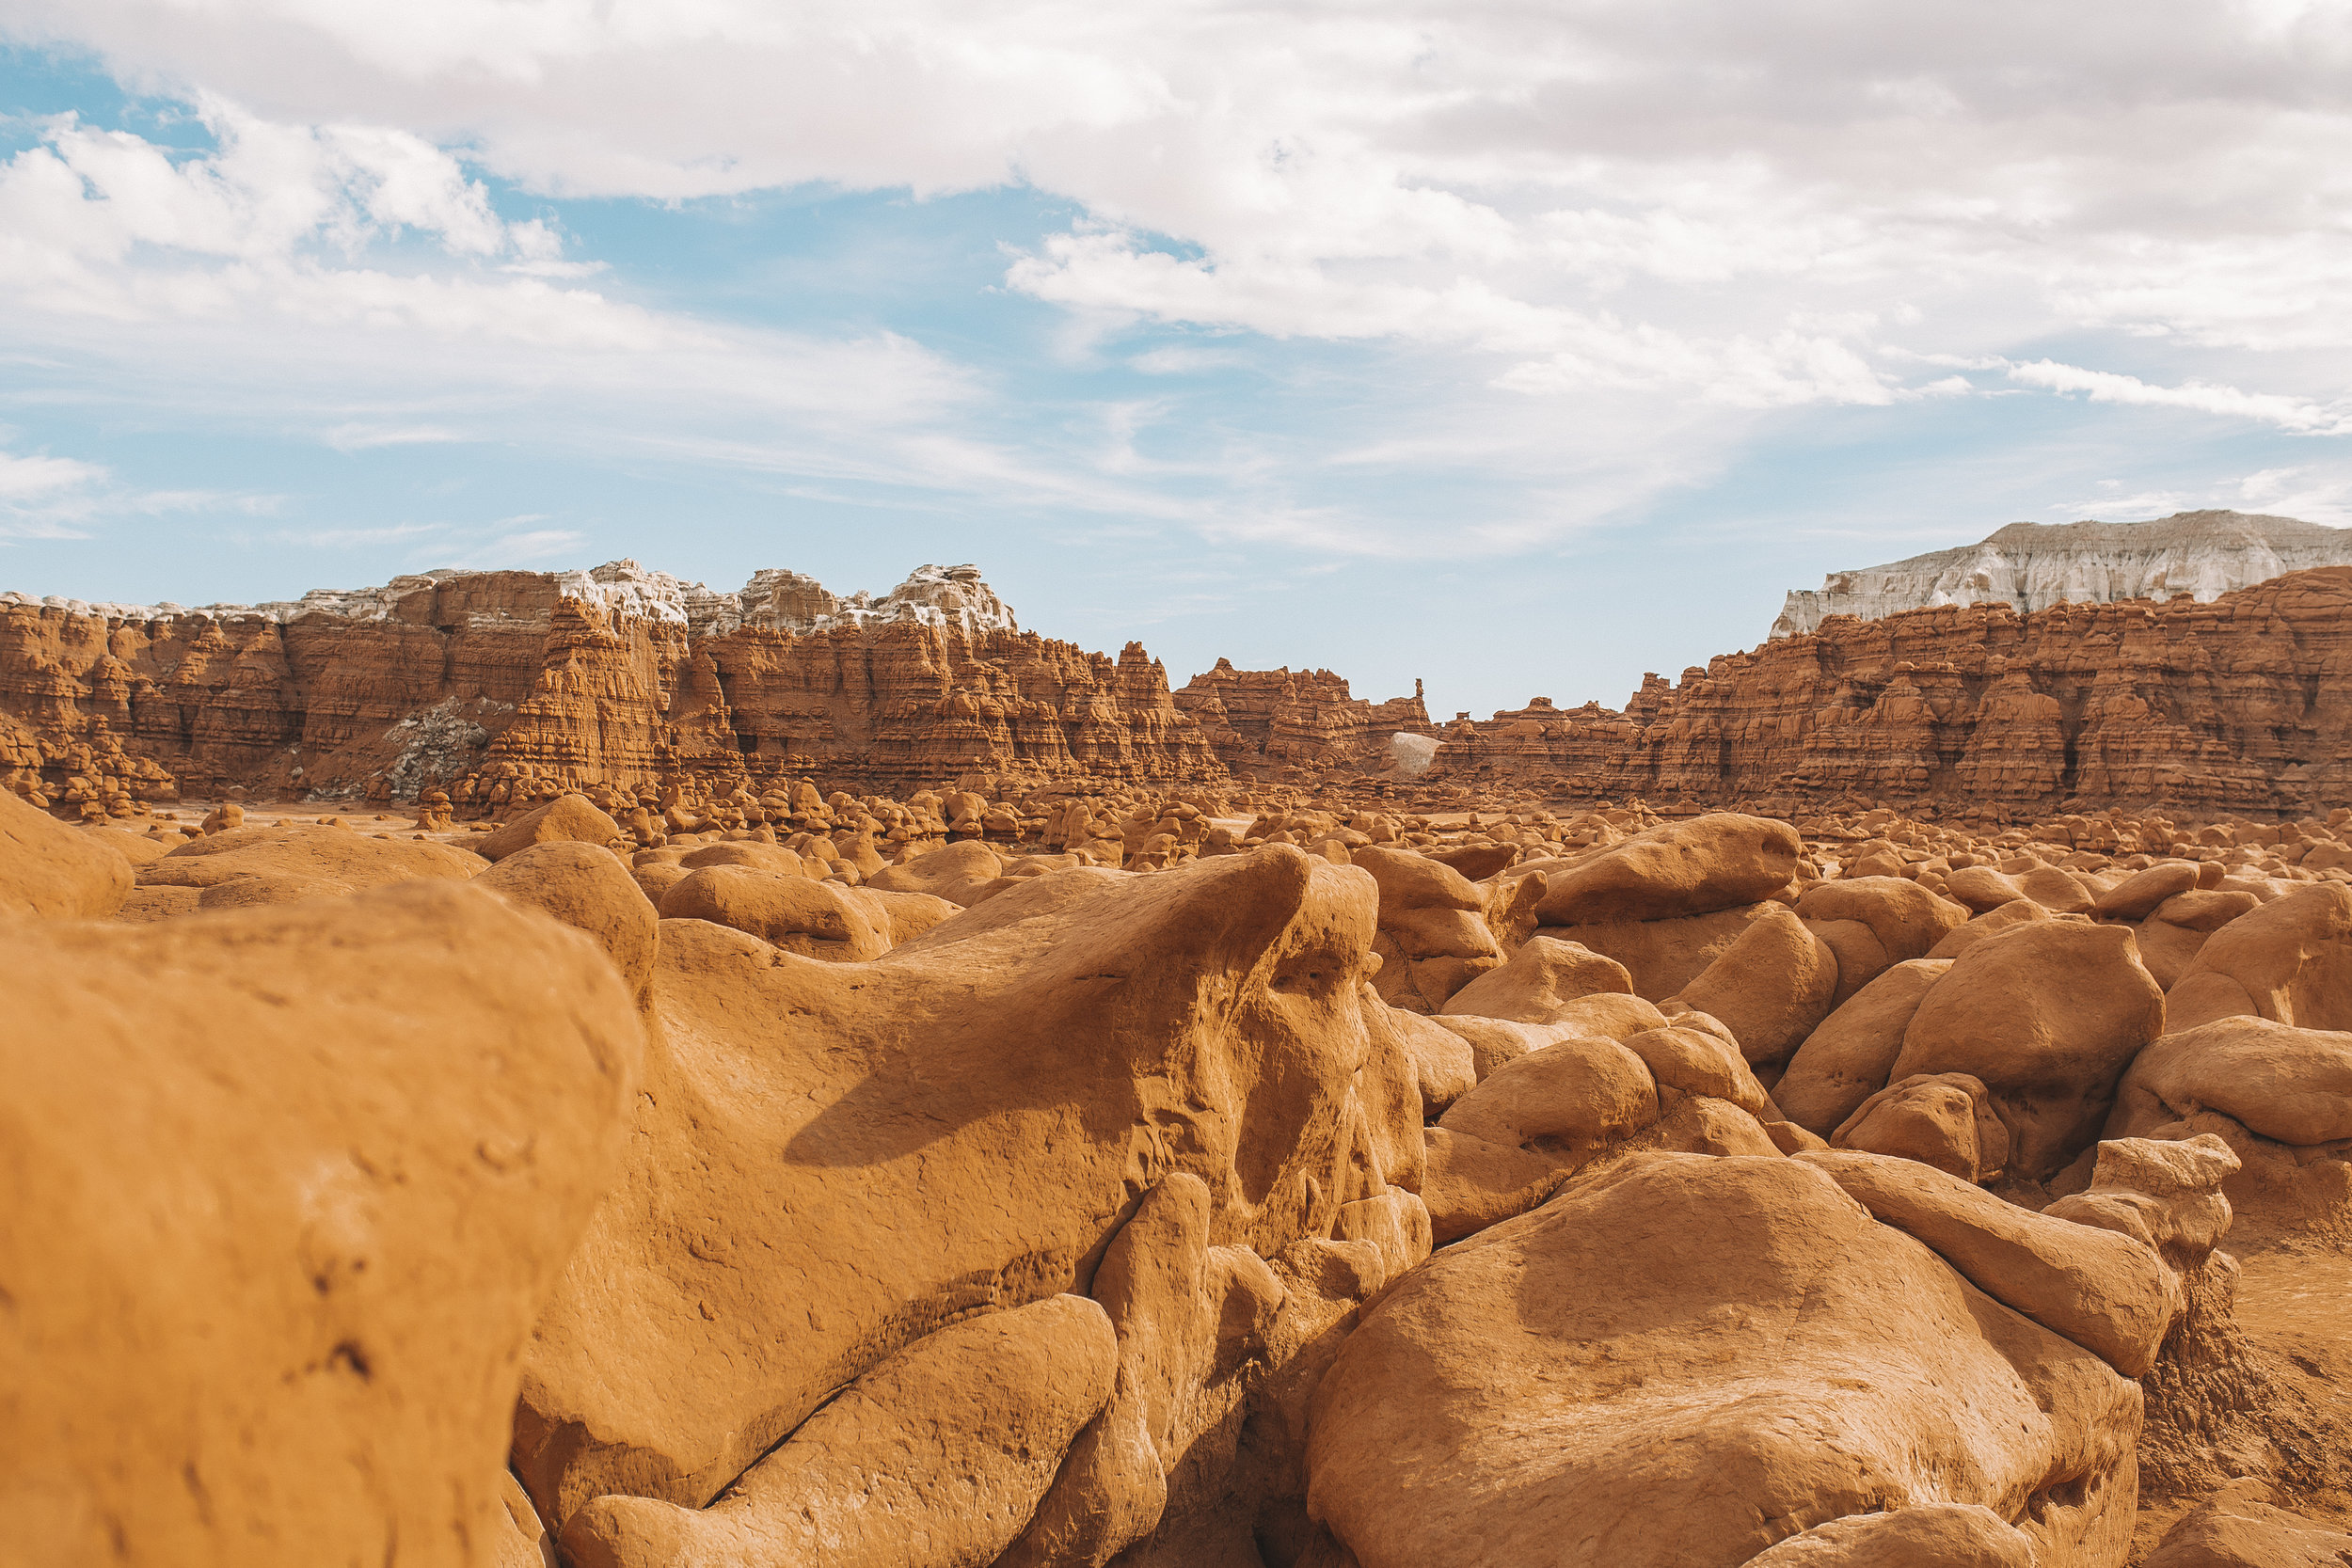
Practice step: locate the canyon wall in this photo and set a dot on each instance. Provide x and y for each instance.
(1269, 721)
(2243, 704)
(499, 684)
(2031, 567)
(500, 687)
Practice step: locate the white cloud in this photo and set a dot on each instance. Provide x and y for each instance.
(2228, 401)
(27, 479)
(44, 496)
(362, 435)
(518, 547)
(1649, 225)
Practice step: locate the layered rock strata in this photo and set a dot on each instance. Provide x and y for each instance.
(1297, 719)
(2242, 704)
(498, 688)
(2031, 566)
(484, 683)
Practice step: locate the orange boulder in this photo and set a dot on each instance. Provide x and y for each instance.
(53, 871)
(280, 1229)
(2047, 1015)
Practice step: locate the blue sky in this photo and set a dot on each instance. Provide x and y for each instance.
(1517, 353)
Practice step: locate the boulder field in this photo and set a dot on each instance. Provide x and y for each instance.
(1218, 1180)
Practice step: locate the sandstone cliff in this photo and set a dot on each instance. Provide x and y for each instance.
(513, 684)
(2031, 566)
(1274, 719)
(2242, 704)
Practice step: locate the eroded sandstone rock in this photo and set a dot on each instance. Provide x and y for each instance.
(279, 1230)
(832, 1160)
(1525, 1398)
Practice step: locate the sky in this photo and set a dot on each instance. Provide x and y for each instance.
(1520, 346)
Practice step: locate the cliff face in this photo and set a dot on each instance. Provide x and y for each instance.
(501, 684)
(1261, 720)
(508, 685)
(2243, 704)
(2031, 567)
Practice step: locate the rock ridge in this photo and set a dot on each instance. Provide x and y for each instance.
(2031, 567)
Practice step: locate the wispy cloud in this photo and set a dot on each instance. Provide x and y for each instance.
(2287, 413)
(358, 437)
(44, 497)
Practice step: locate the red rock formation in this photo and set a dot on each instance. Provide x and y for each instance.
(479, 681)
(504, 685)
(1276, 718)
(2243, 704)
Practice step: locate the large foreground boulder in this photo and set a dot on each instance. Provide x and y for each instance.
(279, 1227)
(833, 1161)
(1529, 1398)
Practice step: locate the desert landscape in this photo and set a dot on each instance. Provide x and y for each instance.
(583, 1070)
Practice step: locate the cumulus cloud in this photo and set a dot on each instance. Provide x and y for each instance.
(1653, 225)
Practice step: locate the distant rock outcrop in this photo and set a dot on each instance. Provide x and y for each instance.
(2031, 566)
(1277, 719)
(507, 687)
(2241, 705)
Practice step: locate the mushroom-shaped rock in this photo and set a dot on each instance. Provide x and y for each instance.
(567, 818)
(1941, 1120)
(2165, 1194)
(1528, 1400)
(1542, 976)
(279, 1230)
(53, 871)
(1709, 862)
(2049, 1014)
